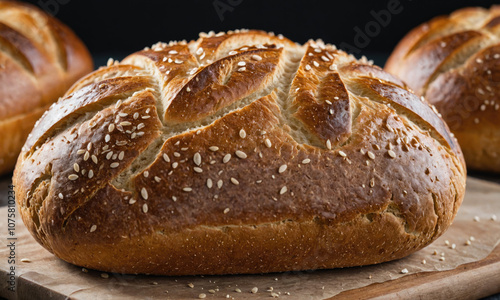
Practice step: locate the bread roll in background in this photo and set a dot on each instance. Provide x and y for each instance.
(239, 152)
(454, 61)
(40, 58)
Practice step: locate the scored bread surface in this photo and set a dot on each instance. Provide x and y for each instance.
(239, 152)
(454, 61)
(40, 58)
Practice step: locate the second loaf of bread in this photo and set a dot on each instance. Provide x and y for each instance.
(238, 153)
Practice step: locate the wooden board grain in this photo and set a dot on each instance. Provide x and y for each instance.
(470, 281)
(46, 277)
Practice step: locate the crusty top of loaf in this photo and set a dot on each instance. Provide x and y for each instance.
(237, 128)
(454, 61)
(39, 59)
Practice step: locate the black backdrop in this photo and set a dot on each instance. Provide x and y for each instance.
(120, 27)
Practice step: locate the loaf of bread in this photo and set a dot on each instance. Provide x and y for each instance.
(454, 62)
(239, 152)
(40, 59)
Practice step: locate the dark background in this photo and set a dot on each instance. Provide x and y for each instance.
(116, 28)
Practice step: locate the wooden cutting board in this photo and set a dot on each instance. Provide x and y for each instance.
(46, 277)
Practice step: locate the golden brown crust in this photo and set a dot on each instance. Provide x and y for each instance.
(40, 59)
(454, 62)
(305, 158)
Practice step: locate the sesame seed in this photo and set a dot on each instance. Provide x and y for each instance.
(209, 183)
(220, 183)
(241, 64)
(175, 164)
(255, 290)
(202, 296)
(242, 69)
(483, 107)
(105, 275)
(172, 52)
(232, 52)
(132, 201)
(123, 115)
(243, 133)
(331, 111)
(121, 155)
(241, 154)
(178, 61)
(197, 158)
(472, 238)
(328, 144)
(283, 190)
(282, 169)
(237, 290)
(324, 58)
(86, 156)
(308, 67)
(187, 189)
(404, 271)
(91, 174)
(188, 89)
(477, 219)
(145, 208)
(94, 159)
(80, 152)
(424, 261)
(109, 155)
(190, 285)
(93, 228)
(166, 158)
(141, 126)
(453, 246)
(114, 165)
(61, 196)
(333, 67)
(226, 158)
(234, 181)
(479, 61)
(198, 170)
(157, 179)
(391, 153)
(226, 210)
(144, 193)
(372, 182)
(25, 260)
(213, 148)
(256, 57)
(73, 177)
(342, 153)
(111, 127)
(199, 51)
(442, 259)
(329, 102)
(174, 198)
(493, 217)
(306, 161)
(371, 155)
(145, 117)
(468, 243)
(76, 167)
(125, 123)
(268, 144)
(107, 138)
